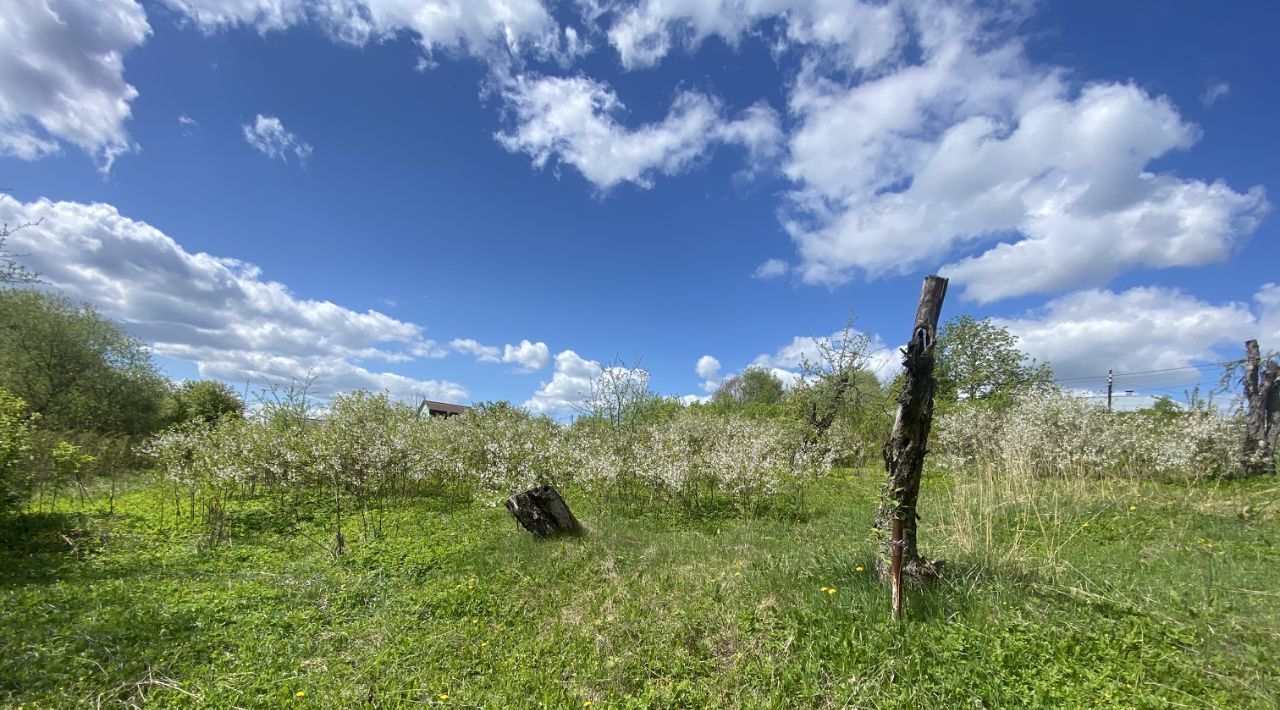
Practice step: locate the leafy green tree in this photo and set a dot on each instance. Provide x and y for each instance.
(76, 369)
(759, 386)
(755, 386)
(201, 400)
(977, 359)
(15, 449)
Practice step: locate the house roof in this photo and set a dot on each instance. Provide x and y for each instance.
(443, 407)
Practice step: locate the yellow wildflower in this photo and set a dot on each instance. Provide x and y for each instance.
(858, 568)
(300, 694)
(1133, 507)
(444, 696)
(824, 589)
(736, 574)
(831, 591)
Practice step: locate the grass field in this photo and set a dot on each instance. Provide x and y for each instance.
(1057, 594)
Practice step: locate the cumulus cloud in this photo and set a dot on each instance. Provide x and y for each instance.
(269, 136)
(708, 368)
(217, 312)
(569, 386)
(527, 356)
(771, 269)
(1085, 333)
(574, 121)
(569, 389)
(1268, 306)
(483, 353)
(972, 144)
(62, 76)
(530, 357)
(475, 27)
(857, 35)
(786, 361)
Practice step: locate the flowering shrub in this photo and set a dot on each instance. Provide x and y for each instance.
(1056, 434)
(368, 450)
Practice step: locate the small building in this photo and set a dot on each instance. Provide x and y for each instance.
(441, 409)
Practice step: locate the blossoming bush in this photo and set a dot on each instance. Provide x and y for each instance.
(367, 450)
(1049, 433)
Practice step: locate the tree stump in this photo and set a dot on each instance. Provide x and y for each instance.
(543, 512)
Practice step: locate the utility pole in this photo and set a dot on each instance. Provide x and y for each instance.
(1109, 381)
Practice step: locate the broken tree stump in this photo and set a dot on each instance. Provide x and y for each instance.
(905, 450)
(543, 512)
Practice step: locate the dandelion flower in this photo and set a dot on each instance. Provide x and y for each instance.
(831, 590)
(444, 696)
(300, 694)
(824, 589)
(858, 568)
(1133, 507)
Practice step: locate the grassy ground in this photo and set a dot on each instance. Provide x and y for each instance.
(1057, 595)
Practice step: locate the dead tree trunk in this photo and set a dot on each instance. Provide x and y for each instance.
(905, 450)
(1262, 423)
(543, 512)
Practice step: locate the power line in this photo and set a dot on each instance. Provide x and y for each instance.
(1149, 372)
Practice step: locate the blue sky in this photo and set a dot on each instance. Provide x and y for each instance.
(398, 194)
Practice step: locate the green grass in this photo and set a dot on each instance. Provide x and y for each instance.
(1175, 603)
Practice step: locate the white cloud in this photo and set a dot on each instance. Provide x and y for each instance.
(574, 120)
(771, 269)
(216, 312)
(476, 27)
(786, 360)
(483, 353)
(62, 76)
(1268, 306)
(269, 136)
(1215, 92)
(531, 357)
(708, 368)
(569, 387)
(858, 35)
(1083, 334)
(189, 125)
(973, 144)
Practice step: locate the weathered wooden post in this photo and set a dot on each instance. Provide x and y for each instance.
(905, 450)
(1262, 423)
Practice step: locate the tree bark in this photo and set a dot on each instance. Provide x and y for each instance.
(905, 450)
(543, 512)
(1262, 422)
